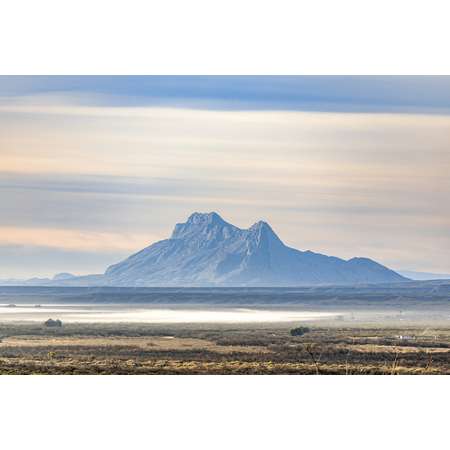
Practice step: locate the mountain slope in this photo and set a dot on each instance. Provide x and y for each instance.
(206, 250)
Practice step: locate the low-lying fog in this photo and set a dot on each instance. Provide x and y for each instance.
(424, 303)
(141, 313)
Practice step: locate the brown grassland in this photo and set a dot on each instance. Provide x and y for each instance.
(221, 349)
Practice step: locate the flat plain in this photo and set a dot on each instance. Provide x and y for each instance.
(345, 331)
(209, 349)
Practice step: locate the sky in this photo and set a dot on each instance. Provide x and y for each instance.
(93, 169)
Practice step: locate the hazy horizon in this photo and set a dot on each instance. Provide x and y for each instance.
(96, 168)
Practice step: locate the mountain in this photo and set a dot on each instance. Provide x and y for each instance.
(208, 251)
(37, 281)
(63, 276)
(25, 282)
(424, 275)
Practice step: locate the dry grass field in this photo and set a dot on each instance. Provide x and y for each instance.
(225, 349)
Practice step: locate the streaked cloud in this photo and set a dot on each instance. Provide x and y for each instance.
(83, 177)
(79, 240)
(27, 261)
(408, 94)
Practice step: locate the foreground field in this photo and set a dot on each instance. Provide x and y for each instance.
(221, 349)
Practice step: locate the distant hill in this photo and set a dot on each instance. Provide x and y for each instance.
(36, 281)
(63, 276)
(208, 251)
(424, 275)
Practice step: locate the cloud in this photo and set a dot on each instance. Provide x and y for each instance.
(340, 183)
(47, 261)
(294, 93)
(68, 239)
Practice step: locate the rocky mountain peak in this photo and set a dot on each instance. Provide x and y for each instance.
(202, 225)
(206, 250)
(262, 230)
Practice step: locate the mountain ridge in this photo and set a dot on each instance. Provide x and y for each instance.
(207, 250)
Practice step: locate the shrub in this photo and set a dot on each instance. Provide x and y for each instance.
(53, 323)
(299, 331)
